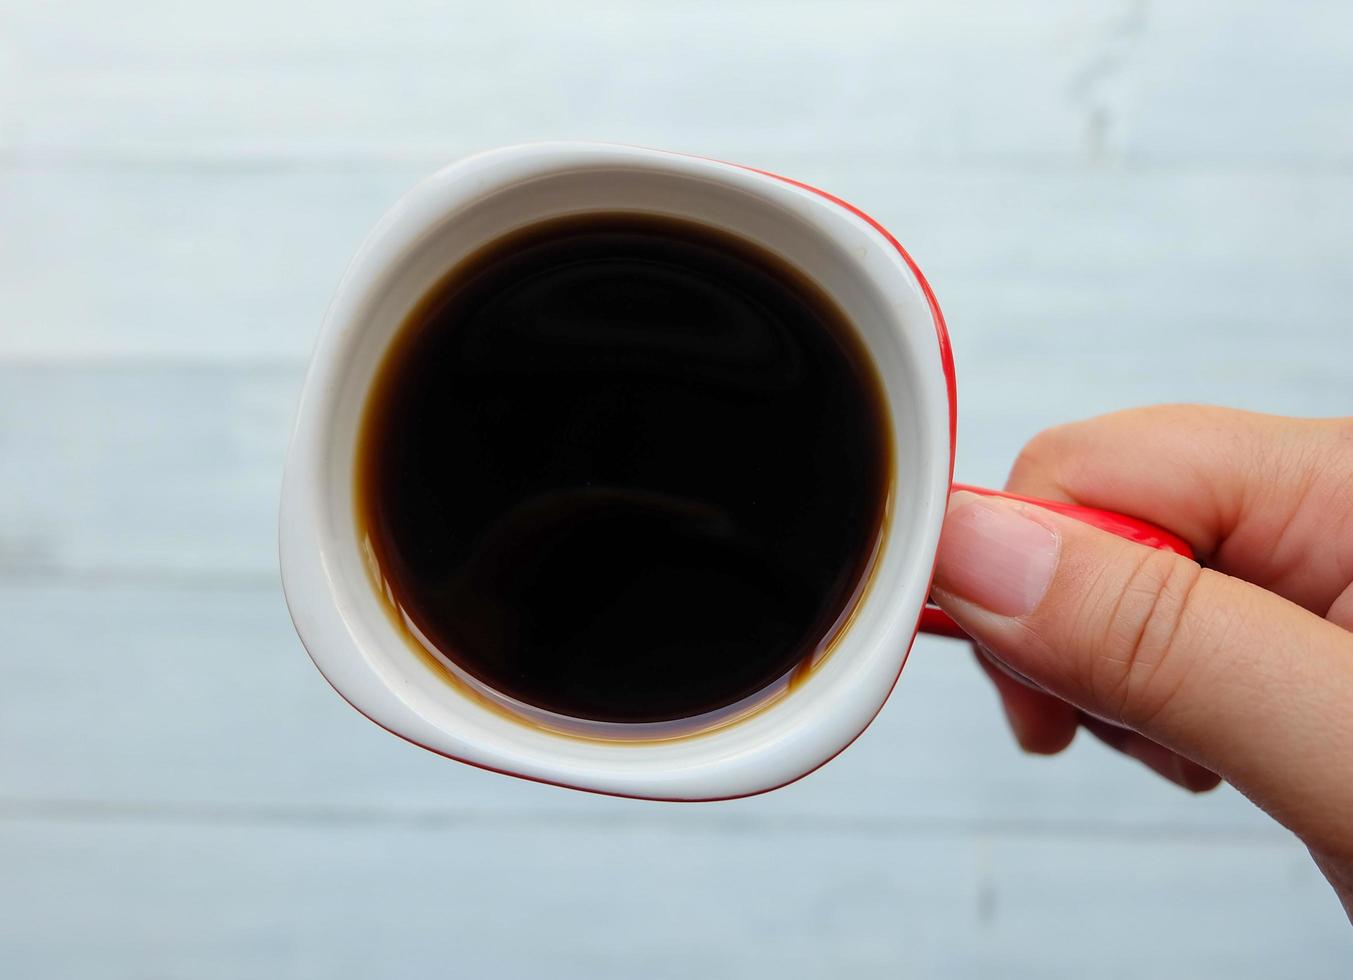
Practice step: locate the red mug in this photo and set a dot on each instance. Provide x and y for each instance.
(338, 608)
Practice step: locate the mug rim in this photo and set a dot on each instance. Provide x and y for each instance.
(317, 604)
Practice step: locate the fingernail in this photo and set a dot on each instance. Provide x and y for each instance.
(994, 556)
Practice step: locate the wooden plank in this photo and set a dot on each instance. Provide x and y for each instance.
(1193, 83)
(202, 700)
(208, 264)
(109, 899)
(143, 469)
(1257, 84)
(188, 264)
(260, 81)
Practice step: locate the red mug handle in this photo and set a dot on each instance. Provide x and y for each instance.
(936, 620)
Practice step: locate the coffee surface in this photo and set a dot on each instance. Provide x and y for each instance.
(624, 468)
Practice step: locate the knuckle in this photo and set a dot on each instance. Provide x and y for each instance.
(1139, 670)
(1041, 457)
(1187, 416)
(1047, 445)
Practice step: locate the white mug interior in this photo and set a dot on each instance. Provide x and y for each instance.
(344, 624)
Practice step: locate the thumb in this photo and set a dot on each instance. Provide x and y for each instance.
(1223, 672)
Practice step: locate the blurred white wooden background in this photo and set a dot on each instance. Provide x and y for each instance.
(1117, 203)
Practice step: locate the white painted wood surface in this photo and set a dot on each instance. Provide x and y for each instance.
(1117, 204)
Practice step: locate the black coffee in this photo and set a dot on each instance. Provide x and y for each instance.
(625, 468)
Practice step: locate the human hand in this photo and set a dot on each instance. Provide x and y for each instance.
(1242, 669)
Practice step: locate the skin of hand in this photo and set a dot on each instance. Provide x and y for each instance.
(1240, 668)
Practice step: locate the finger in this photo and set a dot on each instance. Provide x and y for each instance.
(1257, 495)
(1218, 670)
(1045, 725)
(1042, 724)
(1341, 611)
(1156, 757)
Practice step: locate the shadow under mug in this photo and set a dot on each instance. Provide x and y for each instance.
(345, 623)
